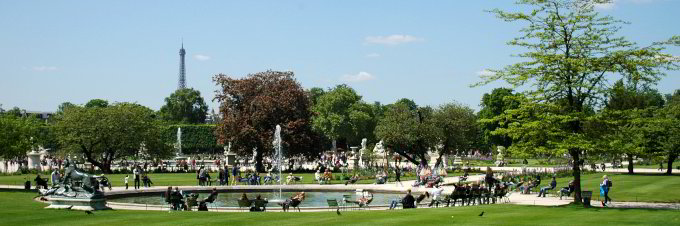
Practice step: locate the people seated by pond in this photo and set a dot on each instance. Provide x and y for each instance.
(292, 178)
(407, 201)
(328, 176)
(294, 201)
(256, 208)
(352, 179)
(381, 178)
(566, 191)
(545, 189)
(524, 184)
(211, 198)
(176, 199)
(362, 200)
(317, 175)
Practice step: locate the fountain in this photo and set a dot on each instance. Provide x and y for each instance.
(178, 145)
(278, 155)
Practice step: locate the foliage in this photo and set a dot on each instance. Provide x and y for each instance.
(184, 106)
(408, 130)
(340, 114)
(495, 104)
(16, 135)
(196, 138)
(251, 107)
(458, 128)
(104, 134)
(572, 51)
(96, 103)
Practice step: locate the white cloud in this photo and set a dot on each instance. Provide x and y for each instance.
(45, 68)
(202, 57)
(486, 73)
(606, 6)
(372, 55)
(360, 77)
(391, 39)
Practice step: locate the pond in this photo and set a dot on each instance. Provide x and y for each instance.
(229, 199)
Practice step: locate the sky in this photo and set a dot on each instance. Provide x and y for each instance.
(127, 51)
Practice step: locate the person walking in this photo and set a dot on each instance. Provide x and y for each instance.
(397, 176)
(604, 190)
(126, 181)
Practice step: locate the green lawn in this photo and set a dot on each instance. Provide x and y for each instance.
(19, 209)
(640, 187)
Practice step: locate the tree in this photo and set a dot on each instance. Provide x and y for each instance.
(572, 51)
(184, 106)
(668, 122)
(340, 114)
(16, 136)
(105, 134)
(96, 103)
(407, 131)
(313, 95)
(458, 128)
(495, 104)
(251, 108)
(626, 110)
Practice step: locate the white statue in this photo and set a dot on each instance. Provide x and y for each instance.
(379, 149)
(500, 160)
(363, 144)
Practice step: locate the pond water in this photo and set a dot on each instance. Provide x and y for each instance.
(229, 199)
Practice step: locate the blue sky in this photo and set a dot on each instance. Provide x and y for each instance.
(429, 51)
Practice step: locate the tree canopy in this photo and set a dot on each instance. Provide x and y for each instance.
(339, 113)
(252, 106)
(15, 138)
(184, 106)
(105, 134)
(495, 104)
(572, 52)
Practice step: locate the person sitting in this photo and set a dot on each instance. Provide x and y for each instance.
(352, 179)
(327, 176)
(523, 185)
(567, 190)
(407, 202)
(192, 201)
(363, 200)
(317, 175)
(257, 208)
(176, 200)
(545, 189)
(211, 198)
(381, 178)
(294, 201)
(292, 178)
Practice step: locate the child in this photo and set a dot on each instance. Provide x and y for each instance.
(126, 182)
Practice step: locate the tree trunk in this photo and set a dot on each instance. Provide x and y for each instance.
(630, 163)
(423, 159)
(671, 159)
(259, 167)
(575, 154)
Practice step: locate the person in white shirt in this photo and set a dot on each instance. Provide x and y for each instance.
(436, 193)
(126, 181)
(55, 177)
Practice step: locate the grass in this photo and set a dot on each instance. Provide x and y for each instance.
(179, 179)
(639, 187)
(19, 209)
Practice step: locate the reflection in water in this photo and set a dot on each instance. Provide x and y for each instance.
(230, 199)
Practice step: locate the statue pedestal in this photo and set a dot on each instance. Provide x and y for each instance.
(33, 159)
(76, 203)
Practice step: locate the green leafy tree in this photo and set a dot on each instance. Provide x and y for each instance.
(668, 123)
(495, 104)
(184, 106)
(340, 114)
(96, 103)
(458, 128)
(626, 111)
(252, 106)
(571, 52)
(103, 135)
(16, 135)
(408, 131)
